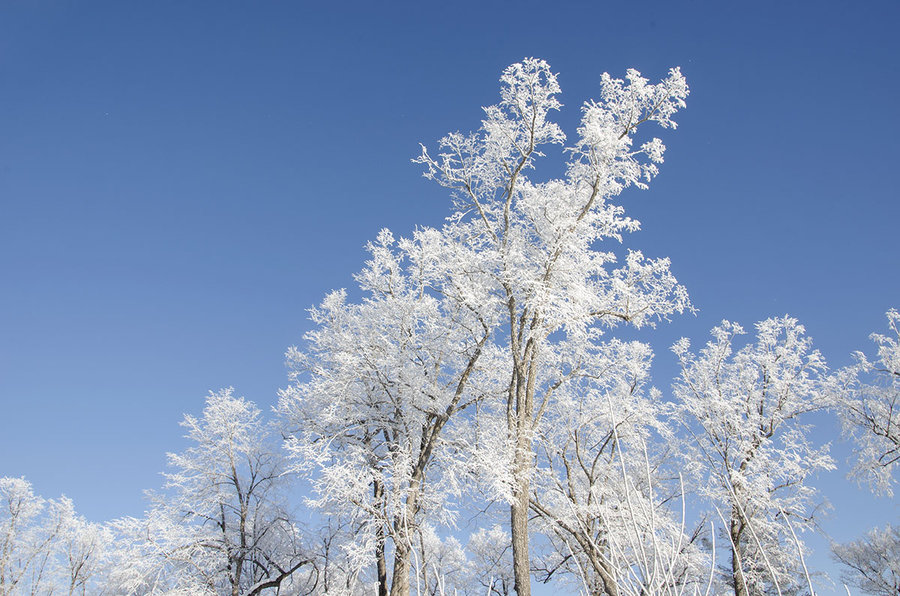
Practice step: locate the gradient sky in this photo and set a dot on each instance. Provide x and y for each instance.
(180, 181)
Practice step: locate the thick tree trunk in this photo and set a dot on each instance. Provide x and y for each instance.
(400, 579)
(519, 530)
(404, 532)
(522, 396)
(737, 571)
(737, 575)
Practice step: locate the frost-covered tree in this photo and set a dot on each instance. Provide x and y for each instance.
(872, 563)
(597, 493)
(29, 529)
(46, 547)
(532, 258)
(870, 409)
(220, 525)
(442, 565)
(490, 568)
(19, 506)
(496, 311)
(742, 410)
(370, 398)
(336, 570)
(83, 552)
(146, 558)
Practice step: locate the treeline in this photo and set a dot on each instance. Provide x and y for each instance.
(477, 384)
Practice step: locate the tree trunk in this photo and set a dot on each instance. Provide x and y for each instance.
(737, 572)
(609, 585)
(522, 394)
(404, 531)
(382, 564)
(400, 579)
(378, 491)
(519, 530)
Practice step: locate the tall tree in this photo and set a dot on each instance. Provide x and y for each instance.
(870, 409)
(529, 257)
(742, 410)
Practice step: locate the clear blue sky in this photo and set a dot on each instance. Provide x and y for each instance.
(180, 181)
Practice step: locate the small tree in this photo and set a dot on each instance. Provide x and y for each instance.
(870, 410)
(45, 547)
(490, 570)
(597, 493)
(220, 525)
(441, 565)
(84, 553)
(29, 529)
(747, 445)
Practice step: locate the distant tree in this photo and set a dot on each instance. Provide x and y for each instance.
(870, 410)
(83, 552)
(753, 456)
(219, 526)
(45, 547)
(490, 570)
(872, 563)
(529, 257)
(337, 569)
(147, 559)
(27, 538)
(443, 565)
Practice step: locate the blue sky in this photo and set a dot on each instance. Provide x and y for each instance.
(179, 182)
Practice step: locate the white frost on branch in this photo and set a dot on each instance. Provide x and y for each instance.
(743, 410)
(441, 375)
(869, 405)
(872, 563)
